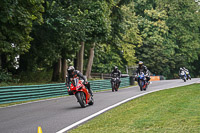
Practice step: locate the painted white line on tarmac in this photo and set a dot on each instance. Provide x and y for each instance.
(98, 113)
(110, 107)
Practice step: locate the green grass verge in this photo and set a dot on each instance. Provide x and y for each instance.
(174, 110)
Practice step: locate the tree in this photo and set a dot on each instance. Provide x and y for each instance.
(131, 37)
(90, 62)
(16, 20)
(154, 52)
(106, 57)
(91, 24)
(52, 41)
(183, 23)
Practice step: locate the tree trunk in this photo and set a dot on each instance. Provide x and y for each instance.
(90, 62)
(64, 69)
(60, 66)
(3, 61)
(81, 57)
(56, 71)
(78, 60)
(0, 61)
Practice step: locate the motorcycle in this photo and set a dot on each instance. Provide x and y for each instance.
(78, 89)
(188, 75)
(142, 81)
(183, 76)
(115, 83)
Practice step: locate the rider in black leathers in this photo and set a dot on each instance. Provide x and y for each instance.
(116, 73)
(142, 68)
(72, 73)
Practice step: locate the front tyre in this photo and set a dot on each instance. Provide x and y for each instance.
(141, 87)
(81, 99)
(116, 87)
(113, 86)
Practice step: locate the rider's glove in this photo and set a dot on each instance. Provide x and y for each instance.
(68, 86)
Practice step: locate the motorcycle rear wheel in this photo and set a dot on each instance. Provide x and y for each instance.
(81, 99)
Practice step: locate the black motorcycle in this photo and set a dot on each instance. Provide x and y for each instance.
(115, 83)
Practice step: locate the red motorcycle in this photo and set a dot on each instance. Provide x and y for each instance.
(78, 89)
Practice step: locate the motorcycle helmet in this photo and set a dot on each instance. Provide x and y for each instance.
(140, 64)
(181, 68)
(70, 70)
(115, 68)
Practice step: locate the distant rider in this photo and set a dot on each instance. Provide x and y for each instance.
(72, 73)
(142, 68)
(116, 73)
(187, 72)
(181, 72)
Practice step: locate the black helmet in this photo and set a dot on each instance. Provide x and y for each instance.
(140, 63)
(70, 69)
(115, 68)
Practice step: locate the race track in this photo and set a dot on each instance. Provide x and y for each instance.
(56, 114)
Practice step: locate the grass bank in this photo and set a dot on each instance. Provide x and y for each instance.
(175, 110)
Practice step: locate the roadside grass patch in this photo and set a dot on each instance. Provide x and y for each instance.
(174, 110)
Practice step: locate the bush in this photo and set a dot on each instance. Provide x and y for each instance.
(38, 76)
(176, 76)
(5, 76)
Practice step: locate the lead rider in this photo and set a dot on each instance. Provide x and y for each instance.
(72, 73)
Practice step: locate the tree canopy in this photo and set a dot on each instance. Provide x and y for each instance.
(164, 34)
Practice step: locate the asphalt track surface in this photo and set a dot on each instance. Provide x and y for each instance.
(56, 114)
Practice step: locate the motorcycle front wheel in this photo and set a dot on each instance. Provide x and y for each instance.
(141, 86)
(81, 99)
(113, 86)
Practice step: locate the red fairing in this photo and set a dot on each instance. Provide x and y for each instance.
(80, 87)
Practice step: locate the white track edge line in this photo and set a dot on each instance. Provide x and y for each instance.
(108, 108)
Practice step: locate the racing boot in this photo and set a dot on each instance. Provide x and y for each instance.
(90, 91)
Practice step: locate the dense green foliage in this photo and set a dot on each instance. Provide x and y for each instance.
(16, 20)
(5, 76)
(164, 34)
